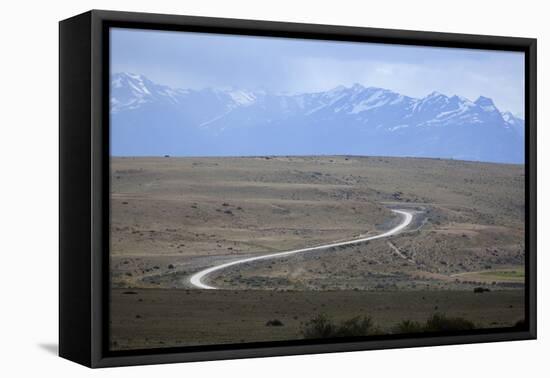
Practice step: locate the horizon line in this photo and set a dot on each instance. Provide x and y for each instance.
(169, 156)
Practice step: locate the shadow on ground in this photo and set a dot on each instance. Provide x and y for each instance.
(51, 348)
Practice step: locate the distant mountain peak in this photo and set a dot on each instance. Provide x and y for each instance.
(337, 89)
(513, 121)
(120, 77)
(509, 116)
(354, 119)
(435, 94)
(484, 101)
(461, 98)
(132, 75)
(241, 97)
(486, 104)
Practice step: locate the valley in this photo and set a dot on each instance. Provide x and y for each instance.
(172, 217)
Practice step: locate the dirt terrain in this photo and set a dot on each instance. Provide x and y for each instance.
(156, 318)
(172, 217)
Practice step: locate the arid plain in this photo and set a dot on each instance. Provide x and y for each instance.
(462, 255)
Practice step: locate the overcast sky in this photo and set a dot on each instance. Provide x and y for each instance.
(196, 60)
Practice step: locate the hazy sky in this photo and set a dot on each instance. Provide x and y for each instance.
(196, 60)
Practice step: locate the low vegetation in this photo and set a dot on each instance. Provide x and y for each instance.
(274, 323)
(479, 290)
(409, 326)
(323, 327)
(442, 323)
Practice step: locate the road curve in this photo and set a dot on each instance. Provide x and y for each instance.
(197, 278)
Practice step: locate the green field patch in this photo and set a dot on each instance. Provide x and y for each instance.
(512, 274)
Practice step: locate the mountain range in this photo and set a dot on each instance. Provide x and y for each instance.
(148, 119)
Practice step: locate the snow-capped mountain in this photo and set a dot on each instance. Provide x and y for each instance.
(152, 119)
(515, 122)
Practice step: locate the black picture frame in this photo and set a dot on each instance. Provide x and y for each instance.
(84, 185)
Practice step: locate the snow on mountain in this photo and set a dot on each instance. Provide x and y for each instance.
(344, 120)
(242, 97)
(486, 104)
(516, 123)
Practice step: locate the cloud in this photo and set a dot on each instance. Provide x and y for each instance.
(461, 77)
(195, 60)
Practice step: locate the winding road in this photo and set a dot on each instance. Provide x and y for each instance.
(197, 279)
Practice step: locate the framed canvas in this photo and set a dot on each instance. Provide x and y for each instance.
(235, 188)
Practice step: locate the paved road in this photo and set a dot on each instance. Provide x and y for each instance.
(198, 278)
